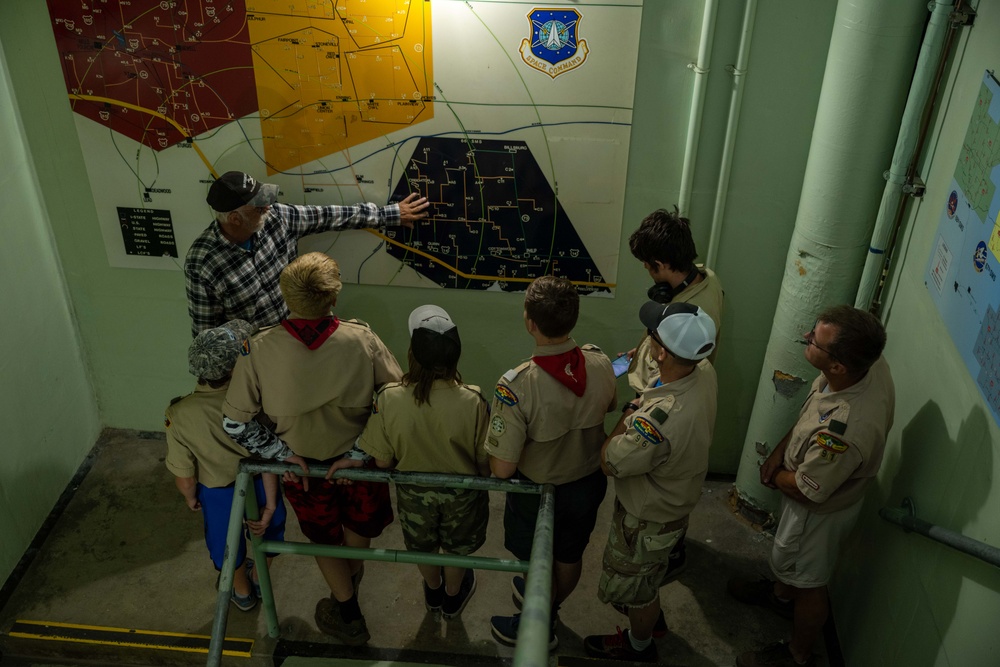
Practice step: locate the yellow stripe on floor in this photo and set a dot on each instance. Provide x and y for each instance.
(109, 636)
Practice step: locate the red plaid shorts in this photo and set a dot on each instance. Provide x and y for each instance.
(327, 508)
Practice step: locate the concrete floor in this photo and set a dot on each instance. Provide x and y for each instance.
(127, 553)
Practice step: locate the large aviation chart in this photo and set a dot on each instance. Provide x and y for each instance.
(965, 260)
(512, 118)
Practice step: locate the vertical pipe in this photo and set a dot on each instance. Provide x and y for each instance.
(701, 69)
(932, 55)
(869, 65)
(735, 104)
(532, 648)
(233, 535)
(260, 564)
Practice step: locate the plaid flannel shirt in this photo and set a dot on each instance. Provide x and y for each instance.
(225, 281)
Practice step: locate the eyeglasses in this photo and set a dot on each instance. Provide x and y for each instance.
(810, 339)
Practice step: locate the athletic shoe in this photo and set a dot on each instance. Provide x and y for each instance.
(659, 630)
(517, 585)
(243, 602)
(452, 605)
(504, 629)
(773, 655)
(761, 593)
(329, 620)
(618, 647)
(433, 597)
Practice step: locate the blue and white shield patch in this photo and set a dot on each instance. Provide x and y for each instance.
(553, 46)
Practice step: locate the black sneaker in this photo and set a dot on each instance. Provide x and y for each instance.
(452, 605)
(329, 620)
(504, 629)
(433, 597)
(517, 585)
(761, 593)
(618, 647)
(659, 630)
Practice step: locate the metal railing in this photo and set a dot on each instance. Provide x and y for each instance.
(533, 634)
(906, 516)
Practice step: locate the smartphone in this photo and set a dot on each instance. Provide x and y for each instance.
(620, 365)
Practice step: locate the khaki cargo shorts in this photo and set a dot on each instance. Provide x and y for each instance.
(636, 558)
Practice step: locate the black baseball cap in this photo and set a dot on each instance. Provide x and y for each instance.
(235, 189)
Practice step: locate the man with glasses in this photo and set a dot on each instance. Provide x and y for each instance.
(232, 268)
(822, 467)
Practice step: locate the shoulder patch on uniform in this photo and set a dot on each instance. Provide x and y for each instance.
(245, 347)
(831, 443)
(513, 373)
(838, 427)
(166, 421)
(504, 394)
(647, 430)
(659, 414)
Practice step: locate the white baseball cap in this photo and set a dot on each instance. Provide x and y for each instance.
(684, 329)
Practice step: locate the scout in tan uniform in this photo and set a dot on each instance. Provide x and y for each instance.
(431, 422)
(658, 455)
(547, 426)
(204, 459)
(315, 377)
(664, 245)
(822, 467)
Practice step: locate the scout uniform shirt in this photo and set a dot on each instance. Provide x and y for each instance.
(197, 445)
(554, 436)
(708, 296)
(443, 434)
(835, 448)
(318, 399)
(660, 462)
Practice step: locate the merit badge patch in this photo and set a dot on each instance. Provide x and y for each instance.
(553, 46)
(498, 425)
(647, 430)
(505, 395)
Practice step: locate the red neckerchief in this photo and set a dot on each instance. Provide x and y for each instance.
(312, 333)
(569, 368)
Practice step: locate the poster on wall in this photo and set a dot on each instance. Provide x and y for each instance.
(965, 259)
(512, 118)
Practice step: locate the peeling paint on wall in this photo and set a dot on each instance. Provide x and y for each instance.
(785, 384)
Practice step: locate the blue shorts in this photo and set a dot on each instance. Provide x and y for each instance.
(217, 505)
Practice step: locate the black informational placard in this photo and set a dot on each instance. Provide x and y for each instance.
(147, 231)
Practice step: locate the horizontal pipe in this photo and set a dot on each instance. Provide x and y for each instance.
(395, 476)
(395, 556)
(906, 518)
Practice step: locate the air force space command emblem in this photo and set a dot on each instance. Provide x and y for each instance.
(553, 46)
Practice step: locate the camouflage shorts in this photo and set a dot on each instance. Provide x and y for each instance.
(452, 519)
(635, 559)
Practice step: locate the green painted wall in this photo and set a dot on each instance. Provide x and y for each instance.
(900, 599)
(134, 323)
(47, 404)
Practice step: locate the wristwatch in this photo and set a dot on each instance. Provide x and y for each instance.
(629, 406)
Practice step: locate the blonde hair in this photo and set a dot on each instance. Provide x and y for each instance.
(310, 285)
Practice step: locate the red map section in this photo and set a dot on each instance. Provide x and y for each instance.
(157, 71)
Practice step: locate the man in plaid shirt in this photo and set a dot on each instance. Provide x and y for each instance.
(232, 268)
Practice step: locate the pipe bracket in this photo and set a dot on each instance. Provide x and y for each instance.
(916, 188)
(963, 17)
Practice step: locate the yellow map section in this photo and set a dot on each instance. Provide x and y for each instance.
(331, 75)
